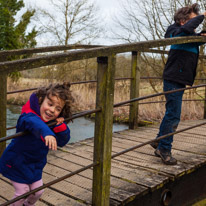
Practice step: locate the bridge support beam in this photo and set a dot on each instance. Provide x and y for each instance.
(184, 190)
(103, 130)
(134, 90)
(204, 115)
(3, 99)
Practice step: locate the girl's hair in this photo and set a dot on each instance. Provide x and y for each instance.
(61, 91)
(183, 14)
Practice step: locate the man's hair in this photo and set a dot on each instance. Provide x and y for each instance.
(61, 91)
(183, 14)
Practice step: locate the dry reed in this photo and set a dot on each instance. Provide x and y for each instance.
(85, 96)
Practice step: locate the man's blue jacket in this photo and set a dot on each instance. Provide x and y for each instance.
(182, 60)
(25, 157)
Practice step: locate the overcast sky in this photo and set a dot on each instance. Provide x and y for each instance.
(106, 5)
(108, 8)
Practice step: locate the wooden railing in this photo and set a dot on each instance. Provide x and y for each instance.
(106, 58)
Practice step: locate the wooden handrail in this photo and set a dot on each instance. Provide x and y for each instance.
(35, 62)
(6, 53)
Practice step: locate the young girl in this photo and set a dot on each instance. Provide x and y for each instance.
(25, 157)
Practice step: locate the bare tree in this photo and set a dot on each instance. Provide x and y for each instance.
(147, 19)
(69, 22)
(66, 22)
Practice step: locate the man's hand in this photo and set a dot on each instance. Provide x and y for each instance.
(203, 34)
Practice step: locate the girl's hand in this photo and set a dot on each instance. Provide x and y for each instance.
(60, 120)
(51, 142)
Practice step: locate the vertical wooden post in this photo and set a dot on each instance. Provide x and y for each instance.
(3, 96)
(134, 90)
(202, 66)
(204, 115)
(103, 130)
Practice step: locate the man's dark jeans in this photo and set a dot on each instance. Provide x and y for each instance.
(172, 114)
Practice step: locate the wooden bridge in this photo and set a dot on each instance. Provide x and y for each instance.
(137, 177)
(113, 168)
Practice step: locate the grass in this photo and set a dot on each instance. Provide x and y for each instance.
(85, 96)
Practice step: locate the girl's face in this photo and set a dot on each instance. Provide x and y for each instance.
(51, 107)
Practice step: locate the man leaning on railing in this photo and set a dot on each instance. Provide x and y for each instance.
(179, 71)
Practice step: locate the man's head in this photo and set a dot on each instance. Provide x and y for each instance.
(184, 14)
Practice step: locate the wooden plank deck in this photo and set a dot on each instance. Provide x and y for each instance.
(133, 175)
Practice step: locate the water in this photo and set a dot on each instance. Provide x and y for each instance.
(81, 128)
